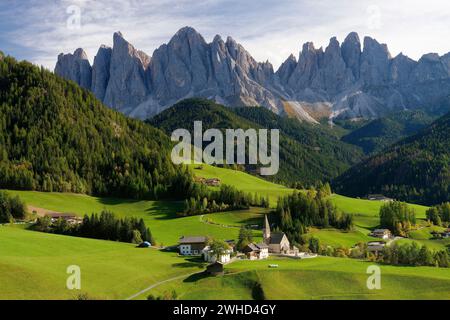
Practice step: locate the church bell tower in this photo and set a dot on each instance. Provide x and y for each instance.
(266, 230)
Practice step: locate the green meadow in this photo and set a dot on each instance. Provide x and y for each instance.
(337, 238)
(251, 217)
(243, 181)
(160, 216)
(366, 211)
(319, 278)
(33, 265)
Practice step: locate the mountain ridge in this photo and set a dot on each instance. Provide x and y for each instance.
(308, 154)
(346, 80)
(415, 169)
(385, 131)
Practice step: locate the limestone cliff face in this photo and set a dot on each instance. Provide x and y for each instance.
(101, 72)
(347, 80)
(127, 86)
(75, 67)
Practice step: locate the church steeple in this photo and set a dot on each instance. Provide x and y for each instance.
(266, 230)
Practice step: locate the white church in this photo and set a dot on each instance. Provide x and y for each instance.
(278, 242)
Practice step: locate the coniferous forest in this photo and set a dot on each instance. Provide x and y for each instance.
(415, 169)
(55, 136)
(308, 154)
(301, 210)
(105, 226)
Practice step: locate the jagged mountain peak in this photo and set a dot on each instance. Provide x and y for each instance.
(187, 34)
(75, 67)
(119, 41)
(371, 45)
(77, 54)
(347, 80)
(121, 47)
(292, 57)
(187, 30)
(334, 41)
(333, 47)
(118, 34)
(231, 41)
(432, 57)
(217, 38)
(80, 53)
(308, 47)
(352, 37)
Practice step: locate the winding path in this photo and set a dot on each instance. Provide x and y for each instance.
(218, 224)
(157, 284)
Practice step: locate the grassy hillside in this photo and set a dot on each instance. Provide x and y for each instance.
(320, 278)
(37, 262)
(366, 212)
(160, 216)
(253, 216)
(308, 154)
(33, 266)
(338, 238)
(243, 181)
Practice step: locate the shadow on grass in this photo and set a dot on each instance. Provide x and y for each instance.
(159, 209)
(190, 262)
(197, 277)
(185, 265)
(164, 210)
(116, 201)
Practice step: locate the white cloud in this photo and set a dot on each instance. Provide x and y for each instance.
(269, 30)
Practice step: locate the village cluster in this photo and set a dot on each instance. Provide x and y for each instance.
(274, 243)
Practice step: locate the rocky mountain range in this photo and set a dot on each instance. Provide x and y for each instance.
(347, 81)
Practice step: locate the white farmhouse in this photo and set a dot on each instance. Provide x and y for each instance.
(256, 251)
(211, 257)
(381, 233)
(192, 246)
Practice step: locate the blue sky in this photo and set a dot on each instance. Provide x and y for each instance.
(38, 30)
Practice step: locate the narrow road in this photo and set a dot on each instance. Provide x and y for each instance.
(159, 283)
(217, 224)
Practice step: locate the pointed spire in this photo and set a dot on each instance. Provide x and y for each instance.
(266, 230)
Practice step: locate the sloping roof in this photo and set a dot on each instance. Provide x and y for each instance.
(195, 239)
(276, 238)
(262, 246)
(381, 230)
(251, 247)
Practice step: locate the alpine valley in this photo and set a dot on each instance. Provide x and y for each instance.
(87, 182)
